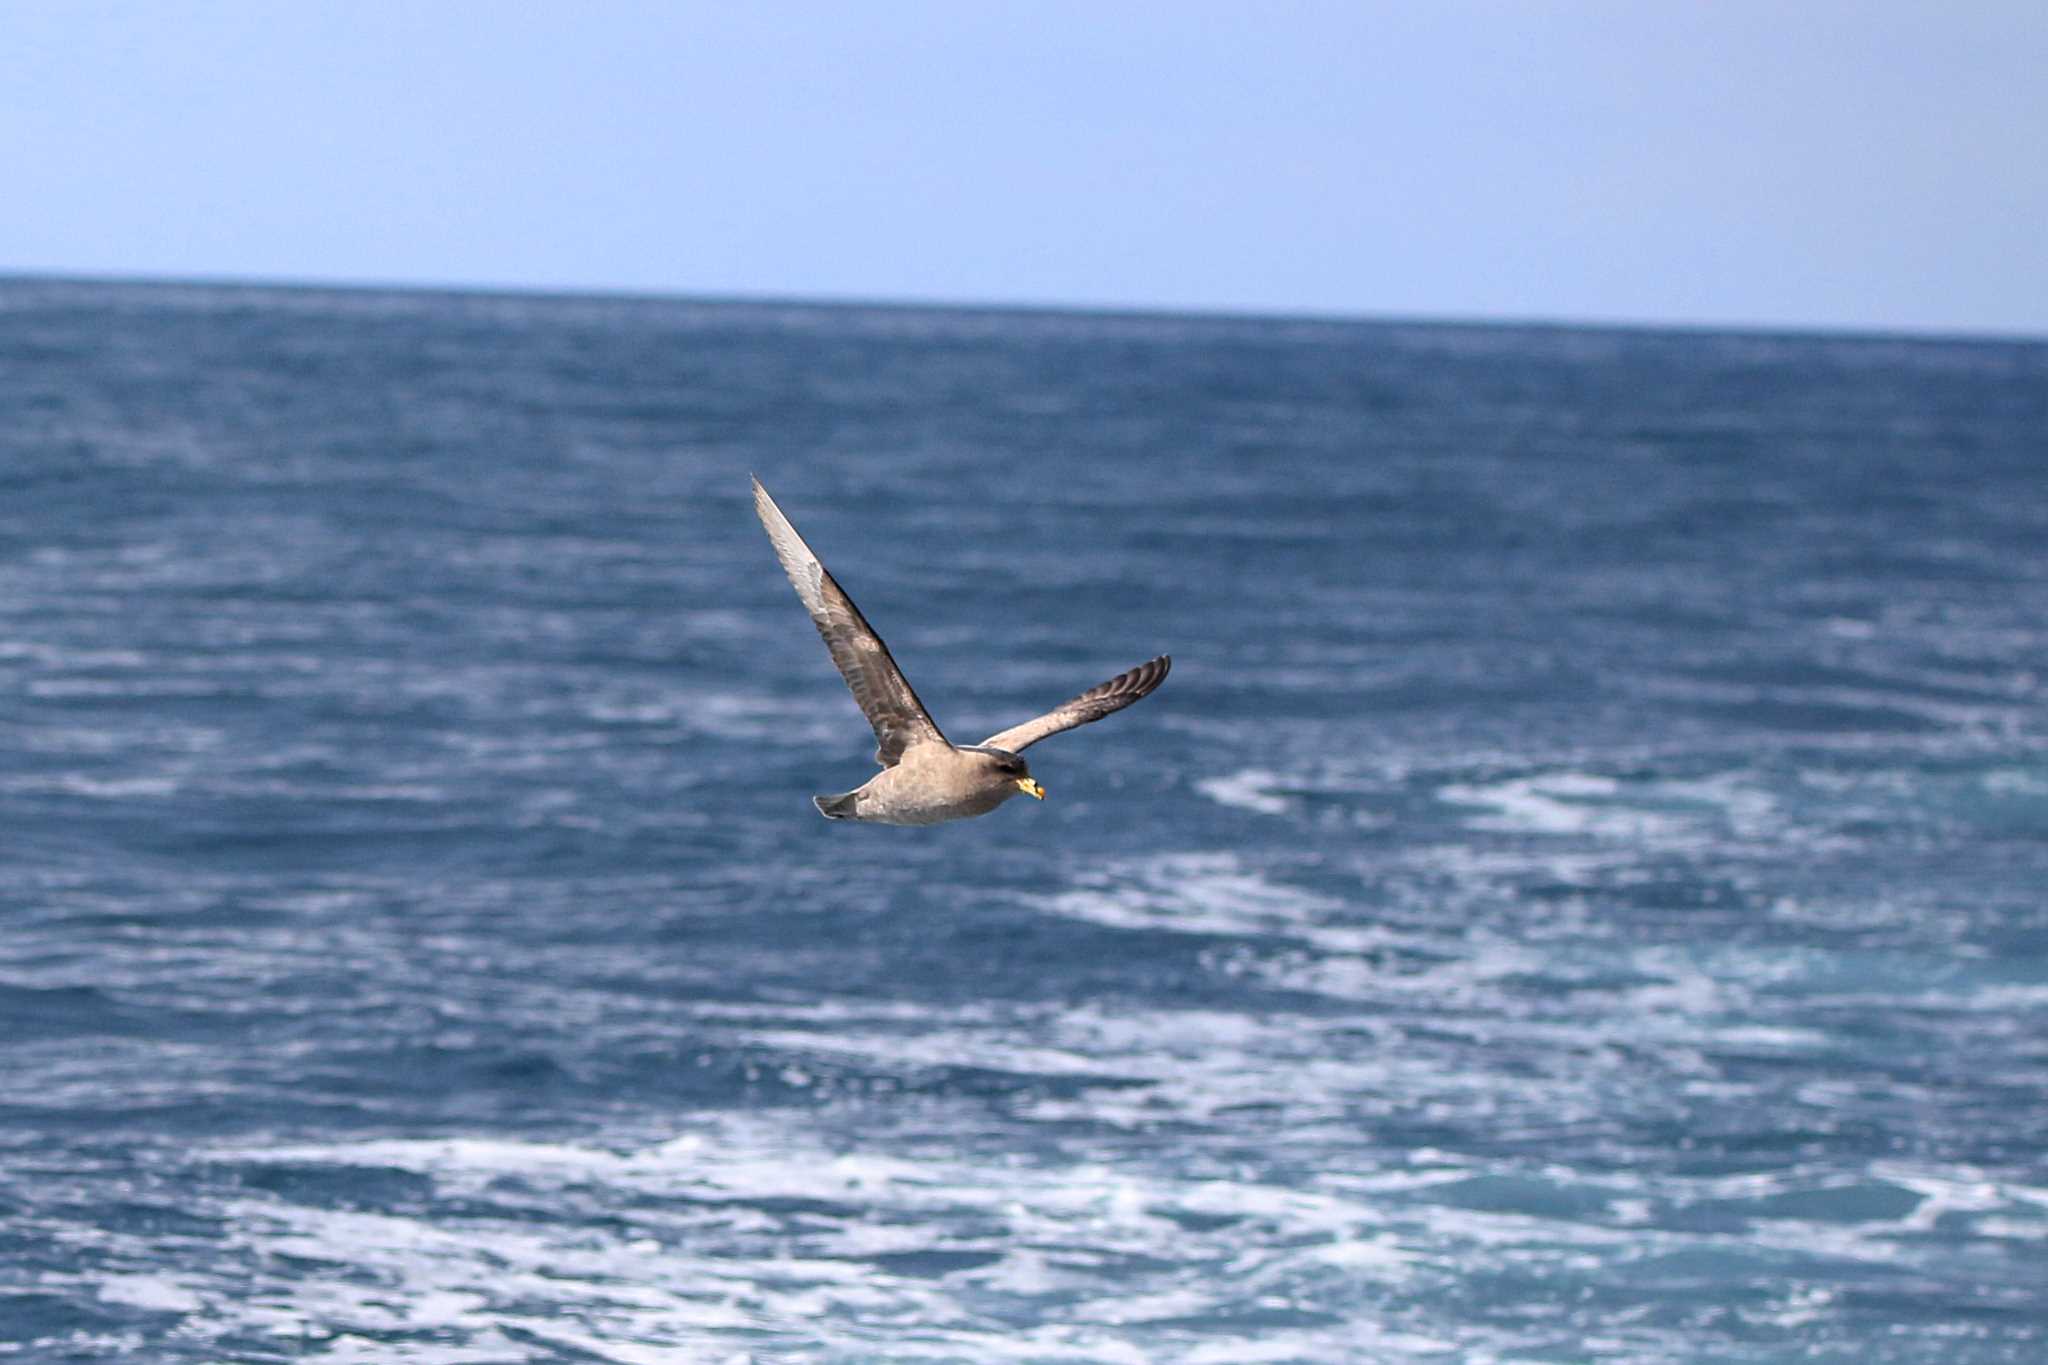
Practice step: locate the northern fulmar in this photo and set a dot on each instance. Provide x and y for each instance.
(925, 779)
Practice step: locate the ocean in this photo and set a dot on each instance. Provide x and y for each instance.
(1581, 895)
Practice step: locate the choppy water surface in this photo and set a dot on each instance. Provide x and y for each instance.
(1582, 894)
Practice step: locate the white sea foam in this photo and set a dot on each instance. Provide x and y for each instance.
(1666, 814)
(158, 1293)
(766, 1234)
(98, 788)
(699, 1250)
(1205, 893)
(1249, 789)
(2016, 782)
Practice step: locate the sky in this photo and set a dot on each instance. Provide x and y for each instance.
(1859, 164)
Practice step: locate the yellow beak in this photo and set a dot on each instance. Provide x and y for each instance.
(1030, 788)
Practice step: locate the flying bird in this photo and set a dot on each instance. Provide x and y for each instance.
(925, 779)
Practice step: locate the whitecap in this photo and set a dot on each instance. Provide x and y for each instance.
(156, 1293)
(1251, 789)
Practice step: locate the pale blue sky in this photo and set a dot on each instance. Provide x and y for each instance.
(1797, 162)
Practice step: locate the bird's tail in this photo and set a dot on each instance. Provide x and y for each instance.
(838, 807)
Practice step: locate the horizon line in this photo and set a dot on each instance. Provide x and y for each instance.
(912, 303)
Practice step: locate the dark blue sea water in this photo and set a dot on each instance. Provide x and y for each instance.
(1582, 894)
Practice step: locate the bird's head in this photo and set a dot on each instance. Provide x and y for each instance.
(1013, 769)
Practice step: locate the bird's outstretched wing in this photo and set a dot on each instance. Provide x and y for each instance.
(885, 698)
(1093, 704)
